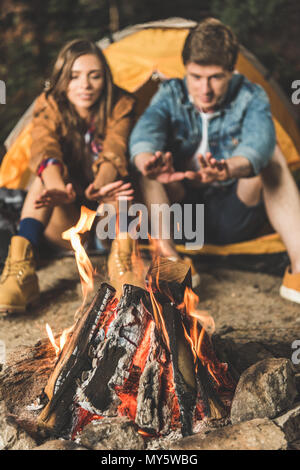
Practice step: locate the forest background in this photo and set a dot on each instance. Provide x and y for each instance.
(32, 32)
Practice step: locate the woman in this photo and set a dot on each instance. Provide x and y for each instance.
(79, 138)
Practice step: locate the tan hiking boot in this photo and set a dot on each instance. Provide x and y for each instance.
(19, 283)
(122, 267)
(290, 287)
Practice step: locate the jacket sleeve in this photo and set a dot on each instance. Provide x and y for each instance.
(115, 143)
(45, 133)
(151, 131)
(258, 138)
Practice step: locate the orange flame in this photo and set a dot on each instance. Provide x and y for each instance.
(158, 315)
(52, 340)
(62, 339)
(84, 264)
(64, 336)
(85, 268)
(190, 303)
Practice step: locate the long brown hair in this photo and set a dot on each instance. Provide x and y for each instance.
(74, 143)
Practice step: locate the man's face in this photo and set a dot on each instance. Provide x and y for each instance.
(207, 84)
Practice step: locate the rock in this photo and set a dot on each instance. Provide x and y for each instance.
(12, 438)
(258, 434)
(295, 446)
(112, 434)
(290, 423)
(15, 439)
(59, 444)
(264, 390)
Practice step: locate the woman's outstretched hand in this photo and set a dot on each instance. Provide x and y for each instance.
(56, 197)
(109, 192)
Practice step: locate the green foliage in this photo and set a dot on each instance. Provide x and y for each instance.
(33, 31)
(267, 28)
(250, 15)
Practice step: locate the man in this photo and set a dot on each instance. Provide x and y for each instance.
(210, 139)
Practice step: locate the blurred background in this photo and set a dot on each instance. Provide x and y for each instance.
(32, 32)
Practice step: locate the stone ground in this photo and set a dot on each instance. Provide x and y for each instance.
(246, 306)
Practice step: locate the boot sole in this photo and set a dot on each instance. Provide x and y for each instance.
(196, 280)
(17, 309)
(290, 294)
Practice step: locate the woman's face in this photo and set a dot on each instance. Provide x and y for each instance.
(86, 83)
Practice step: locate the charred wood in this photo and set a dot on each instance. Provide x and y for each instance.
(73, 361)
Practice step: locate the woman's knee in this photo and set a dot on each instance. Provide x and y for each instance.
(62, 219)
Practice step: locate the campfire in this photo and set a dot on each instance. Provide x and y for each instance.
(147, 355)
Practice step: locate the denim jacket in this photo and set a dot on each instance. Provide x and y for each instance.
(242, 126)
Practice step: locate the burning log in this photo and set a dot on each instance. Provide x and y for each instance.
(74, 360)
(114, 355)
(192, 381)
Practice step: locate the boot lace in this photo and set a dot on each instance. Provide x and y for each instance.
(123, 260)
(15, 268)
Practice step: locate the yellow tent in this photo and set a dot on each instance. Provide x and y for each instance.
(140, 57)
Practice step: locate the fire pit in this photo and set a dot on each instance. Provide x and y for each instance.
(146, 355)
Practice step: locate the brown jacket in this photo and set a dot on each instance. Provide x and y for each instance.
(49, 130)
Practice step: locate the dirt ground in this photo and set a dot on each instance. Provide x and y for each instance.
(246, 306)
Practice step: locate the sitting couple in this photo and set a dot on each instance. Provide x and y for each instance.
(208, 138)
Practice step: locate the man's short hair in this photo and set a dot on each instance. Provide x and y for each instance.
(211, 43)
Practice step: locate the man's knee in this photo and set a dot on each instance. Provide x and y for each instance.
(271, 175)
(249, 190)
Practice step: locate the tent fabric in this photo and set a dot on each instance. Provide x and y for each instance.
(14, 171)
(140, 57)
(267, 244)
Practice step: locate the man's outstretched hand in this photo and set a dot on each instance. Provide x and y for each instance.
(210, 170)
(160, 167)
